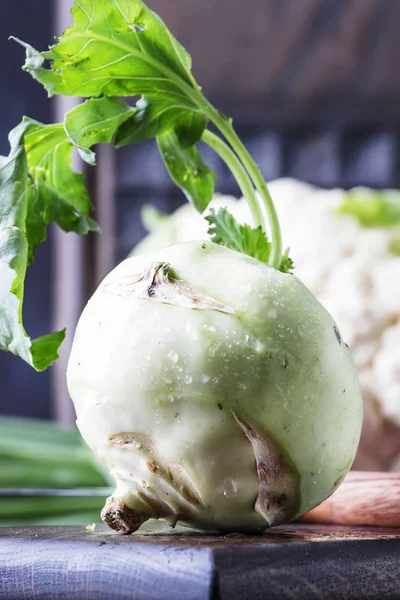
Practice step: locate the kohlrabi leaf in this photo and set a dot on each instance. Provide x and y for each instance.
(115, 48)
(16, 234)
(94, 122)
(58, 194)
(44, 350)
(373, 208)
(287, 264)
(187, 170)
(154, 118)
(226, 231)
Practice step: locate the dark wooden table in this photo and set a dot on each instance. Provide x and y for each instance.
(296, 561)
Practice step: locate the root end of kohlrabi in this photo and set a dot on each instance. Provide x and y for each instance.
(121, 518)
(278, 481)
(172, 496)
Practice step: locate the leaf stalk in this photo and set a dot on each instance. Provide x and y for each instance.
(237, 169)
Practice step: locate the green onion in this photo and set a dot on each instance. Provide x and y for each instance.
(44, 455)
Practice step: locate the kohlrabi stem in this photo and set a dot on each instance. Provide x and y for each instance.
(225, 127)
(237, 170)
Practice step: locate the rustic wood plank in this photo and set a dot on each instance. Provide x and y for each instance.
(362, 499)
(285, 60)
(351, 569)
(297, 561)
(70, 563)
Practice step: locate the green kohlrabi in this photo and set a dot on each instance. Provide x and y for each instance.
(217, 389)
(210, 381)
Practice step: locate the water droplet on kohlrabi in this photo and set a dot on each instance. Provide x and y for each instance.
(247, 288)
(230, 488)
(188, 380)
(253, 343)
(192, 331)
(207, 327)
(173, 356)
(171, 398)
(256, 345)
(214, 349)
(205, 379)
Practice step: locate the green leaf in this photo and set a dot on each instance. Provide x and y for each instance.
(35, 224)
(15, 231)
(373, 208)
(226, 231)
(187, 170)
(45, 349)
(94, 122)
(287, 264)
(154, 118)
(115, 48)
(37, 187)
(58, 194)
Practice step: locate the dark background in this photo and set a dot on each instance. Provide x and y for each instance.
(314, 89)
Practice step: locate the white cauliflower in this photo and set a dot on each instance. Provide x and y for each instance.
(351, 270)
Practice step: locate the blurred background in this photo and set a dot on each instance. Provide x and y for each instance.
(314, 91)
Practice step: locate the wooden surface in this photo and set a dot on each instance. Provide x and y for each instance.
(298, 561)
(362, 499)
(286, 59)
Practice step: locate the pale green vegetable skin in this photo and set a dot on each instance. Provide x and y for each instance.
(178, 375)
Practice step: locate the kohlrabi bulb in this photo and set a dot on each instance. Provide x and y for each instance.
(217, 390)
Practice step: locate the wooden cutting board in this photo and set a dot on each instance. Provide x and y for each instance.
(291, 562)
(362, 499)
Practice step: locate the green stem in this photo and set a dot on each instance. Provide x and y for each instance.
(253, 170)
(238, 171)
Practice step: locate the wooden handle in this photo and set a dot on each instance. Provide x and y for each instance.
(362, 499)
